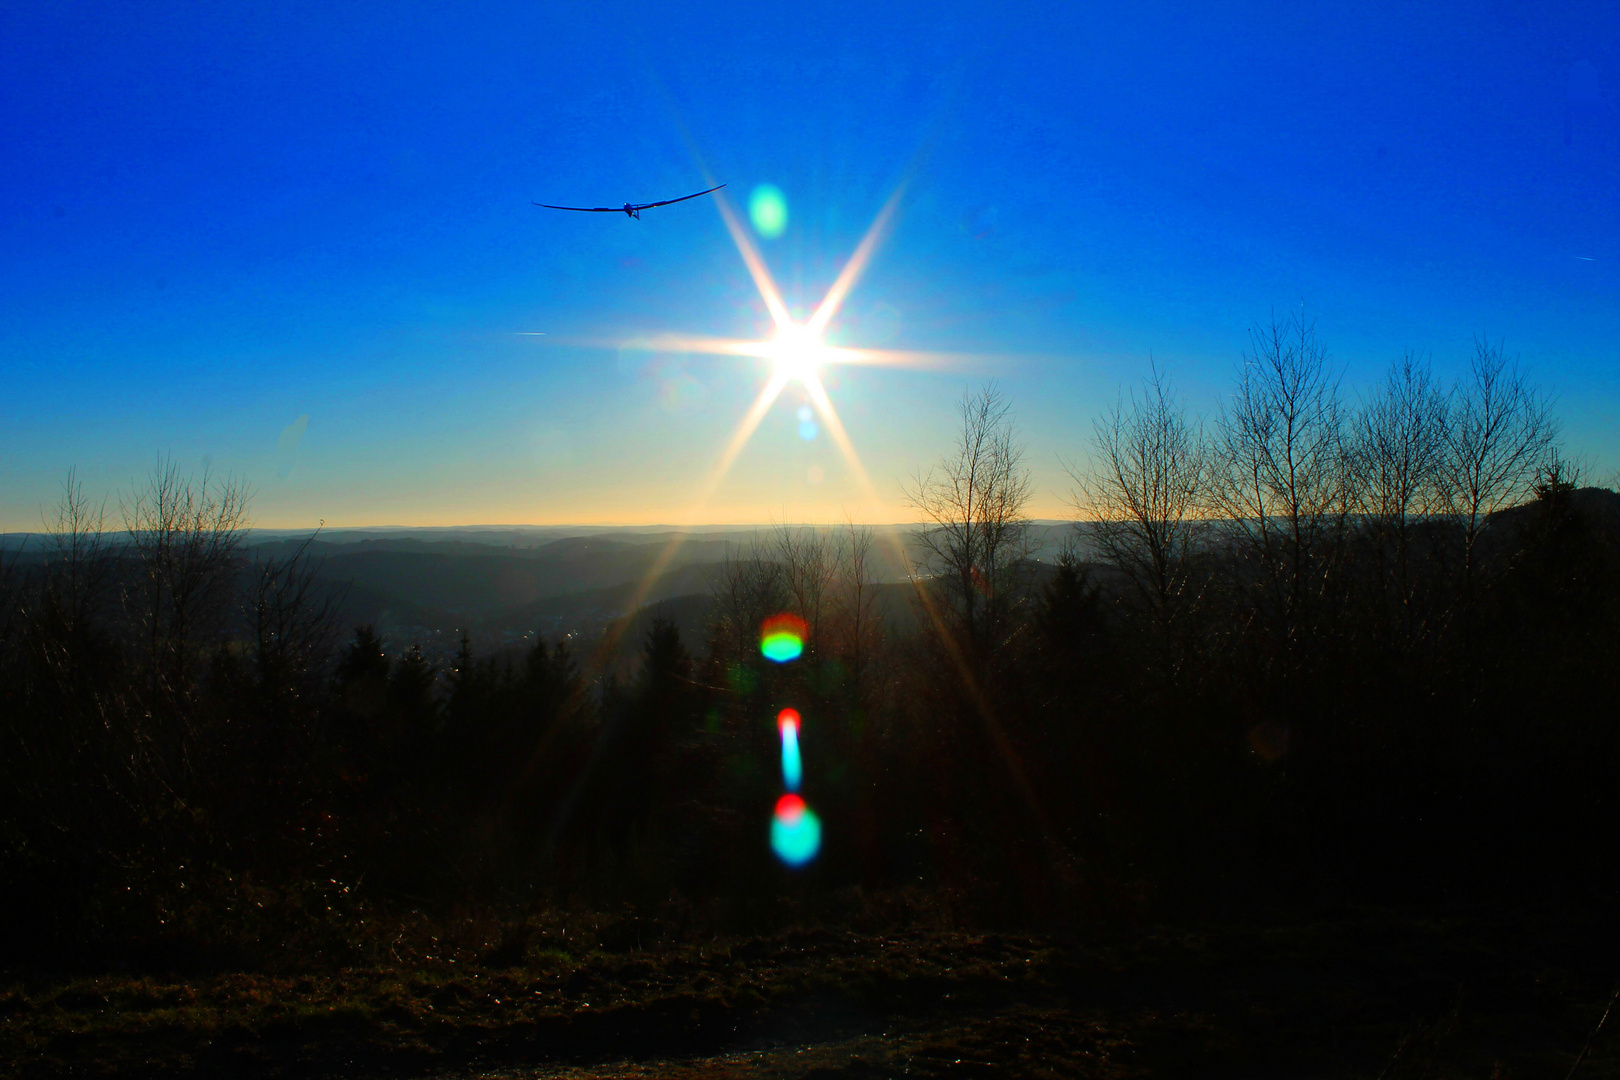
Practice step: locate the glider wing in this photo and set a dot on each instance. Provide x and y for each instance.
(683, 198)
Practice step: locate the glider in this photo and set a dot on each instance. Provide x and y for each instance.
(632, 209)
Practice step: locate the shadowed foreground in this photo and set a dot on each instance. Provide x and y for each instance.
(1374, 995)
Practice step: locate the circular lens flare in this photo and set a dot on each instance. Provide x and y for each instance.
(767, 209)
(795, 831)
(781, 638)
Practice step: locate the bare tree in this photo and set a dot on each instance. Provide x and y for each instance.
(975, 536)
(859, 624)
(291, 619)
(748, 588)
(186, 535)
(1498, 437)
(1147, 493)
(807, 574)
(1397, 452)
(78, 564)
(1280, 470)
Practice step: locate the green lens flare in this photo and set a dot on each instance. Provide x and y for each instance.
(781, 637)
(781, 647)
(767, 209)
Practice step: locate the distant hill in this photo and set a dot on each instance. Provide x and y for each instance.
(501, 585)
(1599, 506)
(475, 579)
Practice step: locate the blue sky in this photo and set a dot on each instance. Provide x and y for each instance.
(217, 219)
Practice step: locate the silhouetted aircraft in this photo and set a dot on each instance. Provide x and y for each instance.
(632, 209)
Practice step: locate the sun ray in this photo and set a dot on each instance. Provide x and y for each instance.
(709, 345)
(685, 343)
(745, 430)
(609, 644)
(892, 537)
(853, 269)
(835, 428)
(756, 265)
(916, 359)
(891, 534)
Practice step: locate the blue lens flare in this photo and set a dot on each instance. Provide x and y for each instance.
(795, 831)
(792, 767)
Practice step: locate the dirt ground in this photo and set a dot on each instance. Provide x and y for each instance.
(1390, 995)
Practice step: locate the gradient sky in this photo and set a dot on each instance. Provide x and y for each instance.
(218, 218)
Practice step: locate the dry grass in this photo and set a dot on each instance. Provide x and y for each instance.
(1403, 997)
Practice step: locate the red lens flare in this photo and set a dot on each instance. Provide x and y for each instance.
(789, 809)
(782, 638)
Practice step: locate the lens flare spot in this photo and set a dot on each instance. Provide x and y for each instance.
(767, 209)
(792, 767)
(807, 423)
(287, 445)
(782, 638)
(815, 474)
(795, 831)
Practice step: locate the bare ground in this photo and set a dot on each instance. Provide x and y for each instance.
(1386, 995)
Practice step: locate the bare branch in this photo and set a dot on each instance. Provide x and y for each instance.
(1281, 477)
(977, 535)
(1498, 436)
(1147, 494)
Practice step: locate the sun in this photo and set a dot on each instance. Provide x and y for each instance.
(797, 353)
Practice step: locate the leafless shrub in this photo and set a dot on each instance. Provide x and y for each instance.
(186, 535)
(1280, 475)
(1397, 457)
(1147, 495)
(808, 568)
(291, 619)
(859, 626)
(1499, 433)
(976, 536)
(78, 563)
(750, 585)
